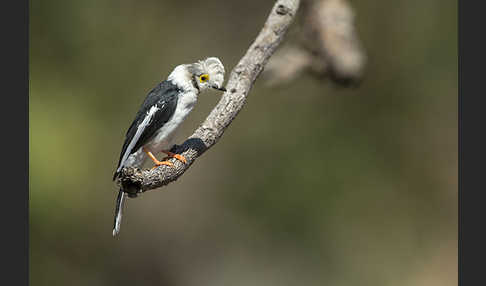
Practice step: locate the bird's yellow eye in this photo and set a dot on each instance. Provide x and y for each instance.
(204, 78)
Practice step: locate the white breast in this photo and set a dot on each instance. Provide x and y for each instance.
(162, 140)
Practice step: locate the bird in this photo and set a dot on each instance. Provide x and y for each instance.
(161, 113)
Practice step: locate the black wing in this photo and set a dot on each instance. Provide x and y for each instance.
(164, 96)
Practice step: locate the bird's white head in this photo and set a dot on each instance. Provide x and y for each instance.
(202, 75)
(208, 73)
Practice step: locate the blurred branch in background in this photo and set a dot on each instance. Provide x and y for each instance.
(327, 46)
(239, 84)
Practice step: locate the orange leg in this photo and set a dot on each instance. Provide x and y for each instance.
(174, 155)
(157, 162)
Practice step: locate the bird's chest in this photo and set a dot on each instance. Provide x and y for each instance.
(185, 104)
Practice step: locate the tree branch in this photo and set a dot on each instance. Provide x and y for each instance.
(241, 80)
(327, 45)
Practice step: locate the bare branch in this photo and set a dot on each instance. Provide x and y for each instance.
(289, 62)
(241, 80)
(327, 45)
(333, 22)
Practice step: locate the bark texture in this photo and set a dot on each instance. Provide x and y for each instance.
(241, 80)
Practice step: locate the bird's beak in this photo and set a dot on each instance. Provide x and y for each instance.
(218, 88)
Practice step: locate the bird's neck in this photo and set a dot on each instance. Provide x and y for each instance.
(183, 79)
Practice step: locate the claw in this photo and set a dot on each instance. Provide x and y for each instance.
(174, 155)
(180, 158)
(158, 163)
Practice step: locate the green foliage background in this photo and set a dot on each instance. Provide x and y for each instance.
(312, 184)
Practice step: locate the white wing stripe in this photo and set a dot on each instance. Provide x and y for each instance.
(139, 132)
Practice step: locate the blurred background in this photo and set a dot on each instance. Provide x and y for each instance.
(312, 184)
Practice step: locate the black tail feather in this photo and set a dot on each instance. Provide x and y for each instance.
(118, 212)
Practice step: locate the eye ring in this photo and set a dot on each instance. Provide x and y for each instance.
(204, 77)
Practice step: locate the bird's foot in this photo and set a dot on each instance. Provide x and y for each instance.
(174, 155)
(159, 163)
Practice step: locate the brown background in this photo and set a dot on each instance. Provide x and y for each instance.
(312, 184)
